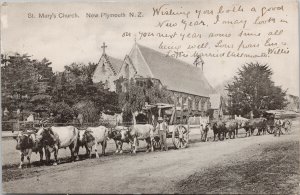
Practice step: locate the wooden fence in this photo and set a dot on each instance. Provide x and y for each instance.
(24, 125)
(15, 125)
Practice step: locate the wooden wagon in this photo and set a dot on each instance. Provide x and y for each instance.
(285, 124)
(178, 131)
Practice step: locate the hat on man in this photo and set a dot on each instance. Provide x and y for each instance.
(277, 116)
(160, 118)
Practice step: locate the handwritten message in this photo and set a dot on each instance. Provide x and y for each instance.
(240, 31)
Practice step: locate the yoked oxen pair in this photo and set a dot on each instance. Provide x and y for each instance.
(139, 132)
(26, 143)
(257, 123)
(54, 138)
(120, 135)
(93, 136)
(232, 126)
(223, 127)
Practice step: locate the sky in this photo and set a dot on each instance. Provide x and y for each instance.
(67, 40)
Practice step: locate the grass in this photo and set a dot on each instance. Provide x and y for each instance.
(276, 171)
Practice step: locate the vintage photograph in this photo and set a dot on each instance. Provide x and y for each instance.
(186, 97)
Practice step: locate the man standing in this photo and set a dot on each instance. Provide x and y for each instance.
(278, 125)
(162, 131)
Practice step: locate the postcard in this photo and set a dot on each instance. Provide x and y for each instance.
(193, 96)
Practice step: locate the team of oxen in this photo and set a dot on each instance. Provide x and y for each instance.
(224, 129)
(51, 139)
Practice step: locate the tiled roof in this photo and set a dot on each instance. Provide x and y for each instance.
(139, 62)
(175, 74)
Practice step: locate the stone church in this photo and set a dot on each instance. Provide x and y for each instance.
(187, 82)
(107, 70)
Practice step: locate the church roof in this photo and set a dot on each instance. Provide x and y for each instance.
(114, 63)
(175, 74)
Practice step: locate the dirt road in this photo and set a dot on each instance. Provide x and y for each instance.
(159, 172)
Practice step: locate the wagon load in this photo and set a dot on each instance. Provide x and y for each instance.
(179, 132)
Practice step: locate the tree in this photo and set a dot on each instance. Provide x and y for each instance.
(138, 92)
(63, 112)
(22, 78)
(31, 85)
(75, 87)
(88, 110)
(253, 90)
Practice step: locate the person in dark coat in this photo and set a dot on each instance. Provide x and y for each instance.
(162, 132)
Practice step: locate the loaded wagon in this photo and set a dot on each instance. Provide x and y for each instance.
(285, 123)
(178, 131)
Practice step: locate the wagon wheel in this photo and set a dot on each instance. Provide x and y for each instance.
(180, 137)
(270, 129)
(156, 143)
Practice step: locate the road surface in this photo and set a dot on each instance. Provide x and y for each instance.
(242, 165)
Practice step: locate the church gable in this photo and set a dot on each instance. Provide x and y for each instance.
(127, 70)
(103, 71)
(139, 62)
(107, 70)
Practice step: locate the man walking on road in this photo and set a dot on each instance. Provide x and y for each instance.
(162, 131)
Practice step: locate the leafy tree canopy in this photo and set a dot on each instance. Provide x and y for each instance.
(253, 90)
(31, 85)
(136, 93)
(22, 78)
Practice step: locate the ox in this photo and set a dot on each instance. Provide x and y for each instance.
(140, 132)
(219, 129)
(92, 136)
(120, 135)
(204, 131)
(80, 141)
(54, 138)
(26, 144)
(231, 127)
(257, 123)
(241, 124)
(205, 127)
